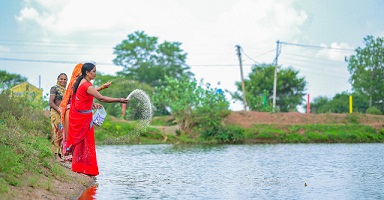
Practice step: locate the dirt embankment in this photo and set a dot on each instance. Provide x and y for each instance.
(70, 187)
(248, 118)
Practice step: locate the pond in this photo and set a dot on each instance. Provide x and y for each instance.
(279, 171)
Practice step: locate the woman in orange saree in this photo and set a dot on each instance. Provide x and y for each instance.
(80, 130)
(66, 104)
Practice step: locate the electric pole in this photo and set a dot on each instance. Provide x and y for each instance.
(242, 77)
(275, 76)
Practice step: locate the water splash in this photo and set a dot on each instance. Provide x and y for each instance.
(146, 110)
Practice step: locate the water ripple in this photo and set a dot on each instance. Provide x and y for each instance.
(283, 171)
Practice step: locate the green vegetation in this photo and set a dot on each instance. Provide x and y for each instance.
(123, 132)
(259, 85)
(314, 133)
(194, 105)
(24, 145)
(115, 131)
(366, 71)
(8, 80)
(373, 111)
(26, 158)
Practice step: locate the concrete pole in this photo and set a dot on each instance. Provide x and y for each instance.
(242, 77)
(275, 76)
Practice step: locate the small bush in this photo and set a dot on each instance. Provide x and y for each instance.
(373, 111)
(265, 135)
(230, 134)
(351, 118)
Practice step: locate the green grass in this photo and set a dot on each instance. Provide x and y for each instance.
(25, 153)
(350, 132)
(163, 121)
(317, 133)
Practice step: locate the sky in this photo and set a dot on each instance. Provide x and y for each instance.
(39, 39)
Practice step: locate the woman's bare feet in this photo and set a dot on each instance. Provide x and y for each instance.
(58, 158)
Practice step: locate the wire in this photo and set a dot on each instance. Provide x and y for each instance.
(54, 44)
(48, 61)
(318, 47)
(248, 56)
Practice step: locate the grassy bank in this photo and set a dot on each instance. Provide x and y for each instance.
(313, 133)
(116, 131)
(28, 169)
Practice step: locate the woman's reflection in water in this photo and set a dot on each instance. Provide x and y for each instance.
(89, 193)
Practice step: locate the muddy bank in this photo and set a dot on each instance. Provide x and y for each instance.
(69, 186)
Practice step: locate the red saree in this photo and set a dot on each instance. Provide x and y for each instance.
(81, 133)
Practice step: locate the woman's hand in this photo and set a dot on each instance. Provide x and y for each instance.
(122, 100)
(106, 85)
(97, 105)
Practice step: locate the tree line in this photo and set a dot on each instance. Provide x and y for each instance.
(160, 69)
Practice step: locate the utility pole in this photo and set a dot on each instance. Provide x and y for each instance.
(242, 77)
(278, 50)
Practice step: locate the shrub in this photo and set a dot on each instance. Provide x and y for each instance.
(351, 118)
(373, 111)
(230, 134)
(24, 145)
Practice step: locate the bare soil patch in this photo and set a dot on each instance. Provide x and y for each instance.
(70, 186)
(249, 118)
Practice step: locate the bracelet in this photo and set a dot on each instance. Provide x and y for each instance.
(120, 99)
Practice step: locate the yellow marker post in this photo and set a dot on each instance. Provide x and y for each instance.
(350, 104)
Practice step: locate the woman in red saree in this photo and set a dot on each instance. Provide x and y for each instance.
(65, 105)
(81, 131)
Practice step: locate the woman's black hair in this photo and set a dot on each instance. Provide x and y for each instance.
(87, 67)
(62, 74)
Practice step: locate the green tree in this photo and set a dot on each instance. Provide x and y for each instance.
(319, 105)
(340, 103)
(144, 60)
(193, 104)
(289, 89)
(367, 69)
(8, 80)
(360, 102)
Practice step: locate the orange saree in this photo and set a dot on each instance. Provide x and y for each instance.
(81, 132)
(65, 105)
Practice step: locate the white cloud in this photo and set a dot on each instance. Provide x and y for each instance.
(258, 22)
(256, 18)
(208, 30)
(336, 51)
(27, 14)
(253, 24)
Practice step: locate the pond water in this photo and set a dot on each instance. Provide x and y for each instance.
(280, 171)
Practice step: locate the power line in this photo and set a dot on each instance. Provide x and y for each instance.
(48, 61)
(317, 47)
(242, 50)
(48, 53)
(51, 43)
(104, 63)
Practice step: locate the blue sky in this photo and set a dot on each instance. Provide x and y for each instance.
(42, 38)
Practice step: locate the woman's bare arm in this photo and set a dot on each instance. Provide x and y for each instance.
(92, 91)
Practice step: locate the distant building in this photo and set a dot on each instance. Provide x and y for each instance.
(28, 89)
